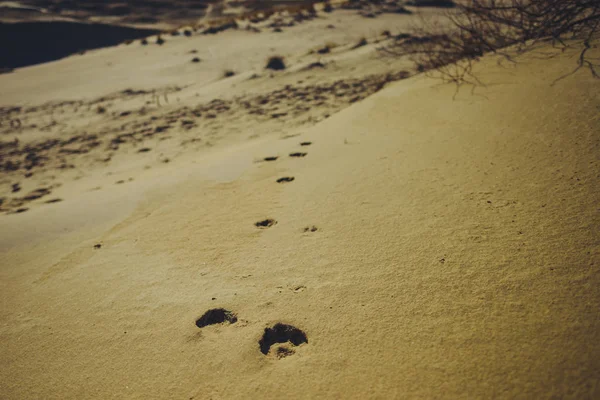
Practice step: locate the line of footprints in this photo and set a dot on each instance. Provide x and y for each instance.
(280, 339)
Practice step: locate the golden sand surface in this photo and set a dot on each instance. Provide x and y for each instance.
(424, 243)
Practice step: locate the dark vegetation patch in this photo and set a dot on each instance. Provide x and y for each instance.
(362, 42)
(275, 63)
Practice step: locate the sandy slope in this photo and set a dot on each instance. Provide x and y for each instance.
(118, 111)
(455, 255)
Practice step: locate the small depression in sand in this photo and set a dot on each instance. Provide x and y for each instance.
(285, 179)
(216, 316)
(266, 223)
(288, 335)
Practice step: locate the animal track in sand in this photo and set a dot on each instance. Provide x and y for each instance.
(311, 229)
(281, 333)
(285, 179)
(298, 289)
(267, 223)
(295, 100)
(298, 154)
(36, 194)
(216, 316)
(16, 205)
(305, 143)
(270, 158)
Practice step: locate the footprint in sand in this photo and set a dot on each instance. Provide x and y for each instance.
(267, 223)
(282, 338)
(285, 179)
(298, 289)
(298, 154)
(216, 316)
(310, 229)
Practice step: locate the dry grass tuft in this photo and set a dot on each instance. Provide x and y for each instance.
(275, 63)
(362, 42)
(507, 29)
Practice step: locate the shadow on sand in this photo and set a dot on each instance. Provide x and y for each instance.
(29, 43)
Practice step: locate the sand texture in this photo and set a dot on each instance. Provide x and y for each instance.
(398, 240)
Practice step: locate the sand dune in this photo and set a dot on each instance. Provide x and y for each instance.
(415, 243)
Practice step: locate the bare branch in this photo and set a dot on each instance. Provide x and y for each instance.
(504, 27)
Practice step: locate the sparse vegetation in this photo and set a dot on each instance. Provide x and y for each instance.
(195, 60)
(220, 25)
(327, 48)
(144, 42)
(228, 73)
(159, 40)
(275, 63)
(506, 28)
(397, 10)
(362, 42)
